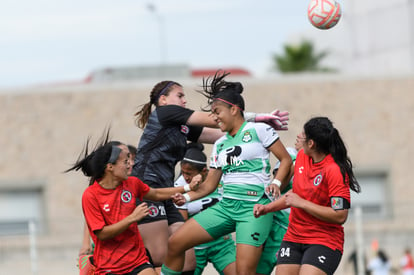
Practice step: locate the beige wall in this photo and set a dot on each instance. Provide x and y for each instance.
(44, 130)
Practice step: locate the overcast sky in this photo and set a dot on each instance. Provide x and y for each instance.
(49, 41)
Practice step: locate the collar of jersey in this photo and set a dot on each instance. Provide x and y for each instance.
(238, 132)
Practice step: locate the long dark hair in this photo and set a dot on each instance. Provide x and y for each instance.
(93, 164)
(195, 156)
(328, 141)
(216, 88)
(161, 88)
(381, 254)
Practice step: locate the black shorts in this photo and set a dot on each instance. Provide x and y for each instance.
(162, 210)
(136, 270)
(316, 255)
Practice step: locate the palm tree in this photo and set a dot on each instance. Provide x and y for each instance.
(300, 58)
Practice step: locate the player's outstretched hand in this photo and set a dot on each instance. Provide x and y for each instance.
(258, 210)
(178, 199)
(293, 200)
(283, 118)
(195, 182)
(273, 190)
(140, 212)
(277, 119)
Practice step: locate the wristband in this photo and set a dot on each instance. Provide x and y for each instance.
(277, 182)
(249, 116)
(187, 197)
(187, 188)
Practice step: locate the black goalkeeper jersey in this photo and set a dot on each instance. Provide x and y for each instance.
(163, 144)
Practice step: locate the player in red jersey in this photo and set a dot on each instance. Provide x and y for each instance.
(110, 210)
(319, 201)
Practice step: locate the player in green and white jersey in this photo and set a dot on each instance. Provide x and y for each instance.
(241, 160)
(222, 251)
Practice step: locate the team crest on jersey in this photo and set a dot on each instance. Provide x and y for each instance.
(247, 137)
(317, 180)
(153, 211)
(126, 196)
(185, 129)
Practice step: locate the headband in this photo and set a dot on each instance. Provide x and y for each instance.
(195, 161)
(232, 104)
(114, 154)
(164, 90)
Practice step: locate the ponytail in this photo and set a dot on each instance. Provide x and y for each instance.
(339, 153)
(142, 116)
(161, 88)
(93, 164)
(216, 88)
(328, 141)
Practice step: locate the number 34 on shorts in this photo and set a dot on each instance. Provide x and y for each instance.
(284, 252)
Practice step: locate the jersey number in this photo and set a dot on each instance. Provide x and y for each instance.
(162, 210)
(285, 252)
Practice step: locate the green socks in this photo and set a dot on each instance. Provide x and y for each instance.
(166, 271)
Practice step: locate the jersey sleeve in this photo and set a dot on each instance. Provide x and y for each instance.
(173, 115)
(194, 133)
(337, 186)
(142, 188)
(92, 211)
(267, 135)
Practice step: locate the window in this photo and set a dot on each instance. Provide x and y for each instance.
(18, 206)
(373, 199)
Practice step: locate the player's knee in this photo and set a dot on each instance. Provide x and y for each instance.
(245, 269)
(158, 256)
(175, 245)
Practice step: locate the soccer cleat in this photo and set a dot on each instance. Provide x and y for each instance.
(85, 265)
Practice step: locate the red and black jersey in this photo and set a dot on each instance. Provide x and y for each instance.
(102, 207)
(316, 182)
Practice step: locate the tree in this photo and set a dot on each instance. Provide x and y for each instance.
(300, 58)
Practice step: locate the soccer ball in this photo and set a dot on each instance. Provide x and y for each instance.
(324, 14)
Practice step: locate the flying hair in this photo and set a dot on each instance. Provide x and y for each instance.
(92, 162)
(216, 88)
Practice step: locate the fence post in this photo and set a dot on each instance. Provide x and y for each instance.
(33, 247)
(359, 241)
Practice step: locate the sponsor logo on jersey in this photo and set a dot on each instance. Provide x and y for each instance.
(317, 180)
(184, 129)
(153, 211)
(231, 157)
(106, 207)
(126, 196)
(301, 170)
(251, 193)
(247, 137)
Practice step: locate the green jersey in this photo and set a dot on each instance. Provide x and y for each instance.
(244, 161)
